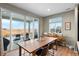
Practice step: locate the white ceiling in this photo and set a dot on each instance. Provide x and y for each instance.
(41, 9)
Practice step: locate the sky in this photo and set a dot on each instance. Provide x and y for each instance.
(17, 24)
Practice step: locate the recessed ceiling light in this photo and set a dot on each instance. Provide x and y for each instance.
(49, 9)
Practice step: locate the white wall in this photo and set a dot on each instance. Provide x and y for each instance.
(68, 34)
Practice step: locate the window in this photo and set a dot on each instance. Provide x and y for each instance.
(32, 27)
(36, 28)
(6, 35)
(55, 24)
(17, 29)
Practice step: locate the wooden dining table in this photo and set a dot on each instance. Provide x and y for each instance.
(32, 45)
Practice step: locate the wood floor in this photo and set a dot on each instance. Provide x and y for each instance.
(62, 51)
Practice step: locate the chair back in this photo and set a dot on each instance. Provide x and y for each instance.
(39, 51)
(17, 37)
(51, 44)
(44, 51)
(27, 37)
(5, 43)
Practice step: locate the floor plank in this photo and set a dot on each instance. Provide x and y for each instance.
(62, 51)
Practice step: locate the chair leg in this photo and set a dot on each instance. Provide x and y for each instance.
(53, 52)
(55, 46)
(34, 53)
(24, 53)
(4, 53)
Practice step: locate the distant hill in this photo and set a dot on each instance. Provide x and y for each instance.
(6, 32)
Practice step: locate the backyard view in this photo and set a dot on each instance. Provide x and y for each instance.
(18, 29)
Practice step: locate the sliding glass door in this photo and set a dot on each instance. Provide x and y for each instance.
(6, 35)
(32, 27)
(17, 29)
(14, 27)
(36, 28)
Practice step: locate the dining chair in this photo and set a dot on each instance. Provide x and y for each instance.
(39, 51)
(5, 43)
(51, 48)
(27, 37)
(42, 51)
(17, 37)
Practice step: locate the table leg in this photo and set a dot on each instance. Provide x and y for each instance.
(34, 53)
(56, 45)
(77, 50)
(20, 50)
(78, 53)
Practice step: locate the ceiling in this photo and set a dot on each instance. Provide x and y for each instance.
(45, 9)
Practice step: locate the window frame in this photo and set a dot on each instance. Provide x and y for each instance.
(55, 22)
